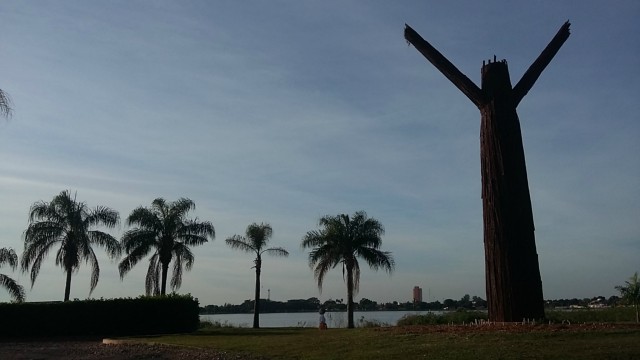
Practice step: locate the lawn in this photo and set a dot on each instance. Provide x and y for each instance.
(604, 341)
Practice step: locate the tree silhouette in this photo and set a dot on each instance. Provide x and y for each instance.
(342, 240)
(68, 223)
(631, 293)
(164, 230)
(513, 283)
(257, 237)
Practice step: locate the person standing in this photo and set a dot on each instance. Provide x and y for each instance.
(323, 321)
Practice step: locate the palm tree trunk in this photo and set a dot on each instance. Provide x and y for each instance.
(637, 317)
(67, 287)
(256, 305)
(350, 323)
(165, 270)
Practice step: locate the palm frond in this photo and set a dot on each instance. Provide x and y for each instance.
(35, 266)
(95, 270)
(356, 276)
(34, 252)
(103, 215)
(132, 259)
(259, 235)
(314, 238)
(136, 238)
(15, 290)
(241, 243)
(194, 232)
(176, 277)
(377, 259)
(152, 280)
(144, 218)
(5, 105)
(277, 251)
(107, 241)
(181, 207)
(322, 267)
(8, 256)
(184, 253)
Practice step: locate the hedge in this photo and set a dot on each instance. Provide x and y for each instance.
(144, 315)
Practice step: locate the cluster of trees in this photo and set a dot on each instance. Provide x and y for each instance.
(466, 302)
(68, 227)
(341, 240)
(595, 301)
(313, 304)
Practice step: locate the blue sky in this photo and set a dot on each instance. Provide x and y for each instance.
(285, 111)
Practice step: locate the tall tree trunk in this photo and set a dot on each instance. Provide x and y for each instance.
(350, 289)
(165, 271)
(514, 287)
(67, 287)
(256, 305)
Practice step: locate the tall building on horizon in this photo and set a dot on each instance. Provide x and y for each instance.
(417, 294)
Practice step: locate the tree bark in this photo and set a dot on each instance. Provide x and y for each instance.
(531, 75)
(350, 284)
(449, 70)
(67, 286)
(256, 305)
(165, 271)
(514, 287)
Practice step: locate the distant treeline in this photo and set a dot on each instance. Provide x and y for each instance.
(466, 302)
(313, 304)
(594, 302)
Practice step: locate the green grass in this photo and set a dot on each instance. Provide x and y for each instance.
(613, 315)
(415, 342)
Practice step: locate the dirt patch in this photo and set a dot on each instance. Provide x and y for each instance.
(95, 349)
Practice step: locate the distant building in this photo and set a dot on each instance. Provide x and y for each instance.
(417, 294)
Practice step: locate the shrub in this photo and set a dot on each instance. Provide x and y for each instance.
(452, 317)
(143, 315)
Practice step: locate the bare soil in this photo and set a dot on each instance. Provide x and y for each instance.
(70, 349)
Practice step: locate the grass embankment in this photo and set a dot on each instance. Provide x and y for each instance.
(427, 342)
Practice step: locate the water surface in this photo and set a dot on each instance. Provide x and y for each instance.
(310, 319)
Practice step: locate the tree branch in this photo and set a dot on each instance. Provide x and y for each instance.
(462, 82)
(531, 75)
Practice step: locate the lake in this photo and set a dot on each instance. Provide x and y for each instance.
(310, 319)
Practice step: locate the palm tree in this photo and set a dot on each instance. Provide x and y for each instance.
(5, 104)
(67, 222)
(631, 292)
(15, 290)
(163, 229)
(257, 238)
(341, 241)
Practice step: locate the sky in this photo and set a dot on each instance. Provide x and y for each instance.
(285, 111)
